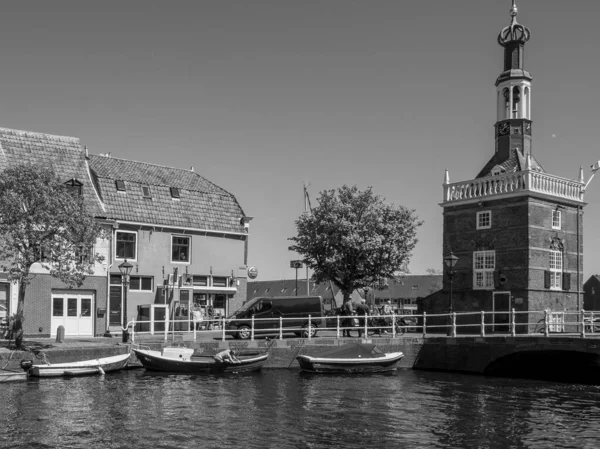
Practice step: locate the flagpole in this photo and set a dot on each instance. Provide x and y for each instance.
(305, 210)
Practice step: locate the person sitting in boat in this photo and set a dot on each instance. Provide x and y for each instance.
(227, 356)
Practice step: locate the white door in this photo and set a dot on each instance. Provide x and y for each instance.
(74, 313)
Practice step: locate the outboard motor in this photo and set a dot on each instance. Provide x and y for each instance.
(26, 364)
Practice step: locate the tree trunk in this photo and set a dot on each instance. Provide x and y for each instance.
(17, 331)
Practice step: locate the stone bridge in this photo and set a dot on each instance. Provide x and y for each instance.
(562, 358)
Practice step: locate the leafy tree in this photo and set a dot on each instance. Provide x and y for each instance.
(42, 221)
(354, 239)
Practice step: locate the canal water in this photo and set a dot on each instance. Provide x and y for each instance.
(288, 409)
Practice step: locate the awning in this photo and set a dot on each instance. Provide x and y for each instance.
(203, 289)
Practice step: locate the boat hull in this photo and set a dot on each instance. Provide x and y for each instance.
(154, 361)
(353, 366)
(85, 367)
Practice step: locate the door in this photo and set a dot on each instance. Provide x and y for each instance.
(158, 317)
(501, 312)
(114, 305)
(74, 313)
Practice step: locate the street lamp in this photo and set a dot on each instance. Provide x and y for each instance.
(450, 262)
(125, 268)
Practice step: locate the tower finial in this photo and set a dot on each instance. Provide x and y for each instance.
(515, 32)
(514, 10)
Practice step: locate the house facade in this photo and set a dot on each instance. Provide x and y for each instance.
(516, 230)
(185, 238)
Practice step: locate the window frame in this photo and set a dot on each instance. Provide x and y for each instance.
(135, 245)
(480, 216)
(147, 192)
(188, 246)
(558, 213)
(141, 278)
(486, 280)
(120, 185)
(555, 267)
(175, 193)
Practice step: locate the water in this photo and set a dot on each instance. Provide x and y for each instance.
(287, 409)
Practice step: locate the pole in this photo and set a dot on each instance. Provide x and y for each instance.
(125, 328)
(296, 281)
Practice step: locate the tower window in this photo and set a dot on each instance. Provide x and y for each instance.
(556, 219)
(484, 219)
(556, 269)
(484, 264)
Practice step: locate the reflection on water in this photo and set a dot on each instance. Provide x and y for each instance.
(287, 409)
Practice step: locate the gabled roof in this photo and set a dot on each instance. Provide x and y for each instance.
(516, 162)
(201, 204)
(63, 154)
(411, 286)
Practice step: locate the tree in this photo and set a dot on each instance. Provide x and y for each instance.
(43, 221)
(354, 239)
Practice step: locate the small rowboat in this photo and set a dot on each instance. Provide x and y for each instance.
(351, 358)
(82, 368)
(183, 361)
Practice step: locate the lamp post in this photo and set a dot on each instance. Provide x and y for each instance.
(450, 262)
(125, 268)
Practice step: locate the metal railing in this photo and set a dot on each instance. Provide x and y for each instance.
(464, 324)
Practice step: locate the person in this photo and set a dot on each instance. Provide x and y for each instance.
(387, 310)
(227, 356)
(197, 315)
(362, 310)
(347, 310)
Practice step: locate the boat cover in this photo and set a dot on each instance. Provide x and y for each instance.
(352, 351)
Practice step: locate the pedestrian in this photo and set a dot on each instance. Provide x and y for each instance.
(362, 310)
(197, 315)
(387, 310)
(347, 310)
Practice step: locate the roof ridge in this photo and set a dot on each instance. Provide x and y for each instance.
(33, 133)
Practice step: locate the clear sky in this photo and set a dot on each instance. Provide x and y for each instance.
(261, 96)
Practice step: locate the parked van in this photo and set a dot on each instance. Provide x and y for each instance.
(294, 310)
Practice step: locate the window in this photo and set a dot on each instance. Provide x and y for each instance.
(120, 185)
(146, 192)
(202, 281)
(555, 269)
(84, 255)
(126, 245)
(180, 249)
(484, 219)
(556, 219)
(415, 287)
(219, 302)
(140, 283)
(175, 192)
(484, 263)
(219, 282)
(74, 187)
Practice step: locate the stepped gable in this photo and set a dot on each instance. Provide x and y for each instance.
(64, 154)
(516, 162)
(202, 204)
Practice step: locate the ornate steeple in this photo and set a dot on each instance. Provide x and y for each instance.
(513, 92)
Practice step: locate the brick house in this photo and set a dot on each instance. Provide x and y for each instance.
(591, 293)
(407, 292)
(48, 302)
(516, 230)
(186, 238)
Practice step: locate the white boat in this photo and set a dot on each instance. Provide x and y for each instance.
(81, 368)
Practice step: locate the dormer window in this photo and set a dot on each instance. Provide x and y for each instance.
(175, 193)
(120, 185)
(74, 187)
(146, 192)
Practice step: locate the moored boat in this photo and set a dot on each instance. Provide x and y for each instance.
(183, 361)
(351, 358)
(81, 368)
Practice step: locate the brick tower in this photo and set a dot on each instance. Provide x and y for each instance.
(516, 230)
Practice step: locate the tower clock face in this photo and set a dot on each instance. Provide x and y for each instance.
(503, 129)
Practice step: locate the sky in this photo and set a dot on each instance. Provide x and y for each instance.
(263, 96)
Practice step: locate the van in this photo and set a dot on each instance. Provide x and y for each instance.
(294, 311)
